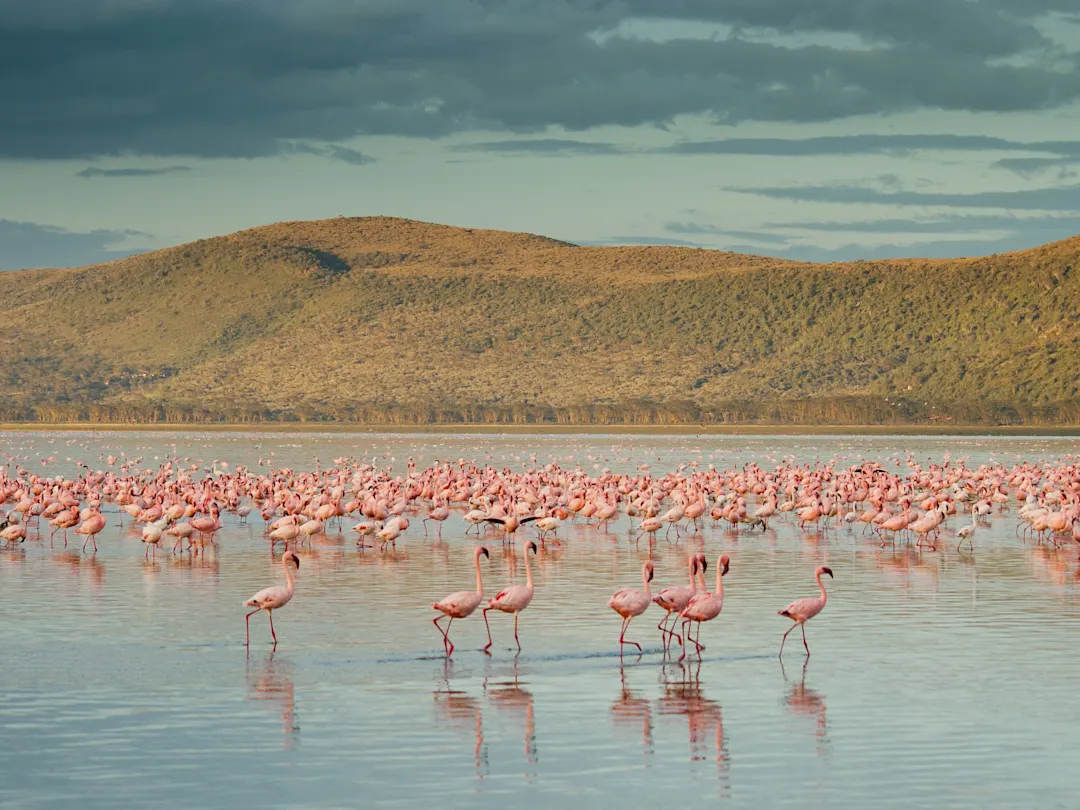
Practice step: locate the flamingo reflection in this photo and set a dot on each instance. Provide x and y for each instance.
(629, 711)
(462, 712)
(509, 696)
(273, 682)
(801, 700)
(683, 695)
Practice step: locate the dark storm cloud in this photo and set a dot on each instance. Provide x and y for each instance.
(93, 171)
(1061, 198)
(29, 244)
(239, 78)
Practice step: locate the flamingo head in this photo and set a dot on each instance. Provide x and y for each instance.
(482, 550)
(701, 561)
(648, 571)
(725, 561)
(825, 570)
(291, 556)
(530, 546)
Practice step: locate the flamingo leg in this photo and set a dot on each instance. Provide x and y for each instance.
(515, 631)
(622, 636)
(247, 626)
(435, 622)
(785, 639)
(488, 626)
(270, 613)
(803, 626)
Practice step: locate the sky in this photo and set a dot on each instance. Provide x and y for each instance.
(809, 129)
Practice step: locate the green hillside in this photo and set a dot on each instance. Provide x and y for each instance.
(390, 320)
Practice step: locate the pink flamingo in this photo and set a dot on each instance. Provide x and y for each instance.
(513, 599)
(630, 602)
(91, 527)
(438, 514)
(705, 606)
(803, 610)
(462, 604)
(675, 599)
(274, 597)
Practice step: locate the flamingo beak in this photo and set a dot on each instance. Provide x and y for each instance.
(484, 551)
(829, 572)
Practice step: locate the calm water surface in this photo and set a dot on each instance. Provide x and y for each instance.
(937, 679)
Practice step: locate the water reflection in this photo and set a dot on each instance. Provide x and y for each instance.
(631, 712)
(683, 695)
(512, 698)
(272, 681)
(463, 713)
(803, 701)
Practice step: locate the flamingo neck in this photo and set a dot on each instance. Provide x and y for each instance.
(820, 584)
(719, 578)
(479, 582)
(645, 582)
(693, 571)
(528, 569)
(290, 583)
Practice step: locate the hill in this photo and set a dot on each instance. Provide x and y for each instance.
(389, 320)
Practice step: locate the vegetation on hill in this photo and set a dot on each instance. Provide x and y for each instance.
(394, 321)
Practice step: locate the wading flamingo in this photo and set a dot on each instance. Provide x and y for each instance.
(460, 605)
(630, 602)
(513, 599)
(91, 527)
(705, 606)
(276, 596)
(967, 532)
(803, 610)
(675, 599)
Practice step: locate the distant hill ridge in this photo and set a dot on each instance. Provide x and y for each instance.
(377, 319)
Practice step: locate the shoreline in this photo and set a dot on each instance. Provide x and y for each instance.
(553, 430)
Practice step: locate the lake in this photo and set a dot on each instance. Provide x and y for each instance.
(938, 678)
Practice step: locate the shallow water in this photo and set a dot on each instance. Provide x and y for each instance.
(937, 679)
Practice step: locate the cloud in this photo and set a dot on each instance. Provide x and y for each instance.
(31, 244)
(93, 171)
(1058, 198)
(947, 249)
(542, 146)
(948, 224)
(1029, 167)
(866, 145)
(244, 78)
(644, 240)
(694, 228)
(332, 151)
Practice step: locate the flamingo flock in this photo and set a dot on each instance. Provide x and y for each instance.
(186, 503)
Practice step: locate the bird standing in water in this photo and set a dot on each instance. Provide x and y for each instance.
(803, 610)
(276, 596)
(461, 604)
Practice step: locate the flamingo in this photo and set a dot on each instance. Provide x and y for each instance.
(630, 602)
(803, 610)
(705, 606)
(513, 599)
(677, 597)
(967, 532)
(438, 514)
(91, 527)
(462, 604)
(274, 597)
